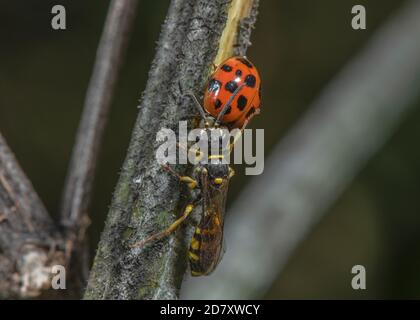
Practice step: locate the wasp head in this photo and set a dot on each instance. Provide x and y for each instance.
(218, 174)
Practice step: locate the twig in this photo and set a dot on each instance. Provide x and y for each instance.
(76, 197)
(29, 241)
(79, 182)
(236, 35)
(309, 169)
(146, 198)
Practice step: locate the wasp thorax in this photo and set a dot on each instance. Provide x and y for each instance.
(217, 171)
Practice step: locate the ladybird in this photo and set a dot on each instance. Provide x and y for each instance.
(237, 82)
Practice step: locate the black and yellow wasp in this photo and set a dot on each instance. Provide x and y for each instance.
(210, 176)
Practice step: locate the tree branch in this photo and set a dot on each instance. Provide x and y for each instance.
(146, 198)
(29, 242)
(309, 169)
(79, 182)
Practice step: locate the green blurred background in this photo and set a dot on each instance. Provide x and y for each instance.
(298, 45)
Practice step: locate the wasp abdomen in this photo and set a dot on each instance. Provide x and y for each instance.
(205, 248)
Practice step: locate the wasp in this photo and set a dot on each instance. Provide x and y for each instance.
(210, 177)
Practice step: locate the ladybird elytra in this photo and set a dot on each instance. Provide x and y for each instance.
(233, 73)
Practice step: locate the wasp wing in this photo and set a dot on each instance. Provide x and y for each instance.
(208, 237)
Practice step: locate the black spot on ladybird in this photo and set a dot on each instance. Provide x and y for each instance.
(228, 110)
(242, 101)
(238, 73)
(217, 103)
(231, 86)
(250, 81)
(245, 62)
(214, 85)
(226, 68)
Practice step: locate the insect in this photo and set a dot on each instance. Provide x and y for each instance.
(209, 181)
(231, 74)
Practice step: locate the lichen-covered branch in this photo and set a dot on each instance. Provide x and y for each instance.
(79, 183)
(110, 53)
(316, 161)
(29, 241)
(147, 199)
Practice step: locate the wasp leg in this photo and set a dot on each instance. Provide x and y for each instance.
(188, 209)
(235, 139)
(231, 172)
(239, 134)
(227, 104)
(197, 104)
(191, 182)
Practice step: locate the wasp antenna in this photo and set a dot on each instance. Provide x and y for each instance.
(226, 106)
(197, 104)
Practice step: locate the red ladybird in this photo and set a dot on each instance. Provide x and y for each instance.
(237, 82)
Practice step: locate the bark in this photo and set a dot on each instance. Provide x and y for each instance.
(79, 183)
(29, 242)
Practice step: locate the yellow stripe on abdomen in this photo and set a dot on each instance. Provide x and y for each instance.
(194, 244)
(193, 256)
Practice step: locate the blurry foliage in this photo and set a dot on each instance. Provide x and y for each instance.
(299, 45)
